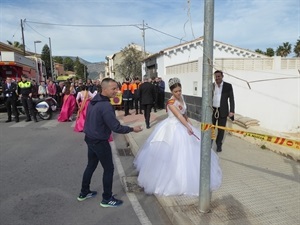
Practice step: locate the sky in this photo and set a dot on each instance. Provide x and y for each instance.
(94, 29)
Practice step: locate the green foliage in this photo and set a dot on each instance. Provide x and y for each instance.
(80, 69)
(284, 50)
(68, 64)
(131, 64)
(297, 48)
(46, 58)
(58, 59)
(16, 44)
(259, 51)
(270, 52)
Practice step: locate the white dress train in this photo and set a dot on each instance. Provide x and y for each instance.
(169, 161)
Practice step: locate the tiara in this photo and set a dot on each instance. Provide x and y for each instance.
(173, 81)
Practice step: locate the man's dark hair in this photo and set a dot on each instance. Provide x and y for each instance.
(105, 81)
(218, 71)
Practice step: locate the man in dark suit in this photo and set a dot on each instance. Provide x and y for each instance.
(10, 98)
(147, 98)
(222, 93)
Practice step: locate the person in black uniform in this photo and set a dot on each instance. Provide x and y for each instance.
(147, 98)
(10, 98)
(155, 83)
(25, 92)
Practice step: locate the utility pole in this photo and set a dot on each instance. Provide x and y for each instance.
(52, 75)
(144, 42)
(23, 39)
(206, 112)
(144, 34)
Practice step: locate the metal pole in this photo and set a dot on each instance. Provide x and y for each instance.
(144, 41)
(52, 75)
(206, 113)
(23, 39)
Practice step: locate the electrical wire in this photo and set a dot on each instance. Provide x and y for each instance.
(85, 25)
(213, 65)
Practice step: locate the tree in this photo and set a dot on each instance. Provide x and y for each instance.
(270, 52)
(68, 64)
(58, 59)
(80, 69)
(131, 64)
(297, 48)
(46, 58)
(260, 51)
(284, 50)
(16, 44)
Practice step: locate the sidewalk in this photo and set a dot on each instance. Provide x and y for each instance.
(259, 186)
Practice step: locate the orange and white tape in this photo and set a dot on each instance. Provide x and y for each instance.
(273, 139)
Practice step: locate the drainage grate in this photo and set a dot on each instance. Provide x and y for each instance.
(125, 152)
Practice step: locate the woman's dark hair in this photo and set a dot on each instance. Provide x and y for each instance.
(175, 86)
(83, 88)
(67, 88)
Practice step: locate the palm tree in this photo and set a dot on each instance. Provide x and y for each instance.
(16, 44)
(284, 50)
(297, 48)
(270, 52)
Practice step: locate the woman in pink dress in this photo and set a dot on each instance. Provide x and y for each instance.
(83, 98)
(69, 104)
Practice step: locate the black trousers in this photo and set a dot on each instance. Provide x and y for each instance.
(221, 121)
(137, 105)
(126, 107)
(28, 107)
(161, 100)
(147, 111)
(99, 151)
(11, 106)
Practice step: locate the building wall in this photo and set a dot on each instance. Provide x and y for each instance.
(275, 103)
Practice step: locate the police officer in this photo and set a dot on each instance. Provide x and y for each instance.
(10, 98)
(25, 92)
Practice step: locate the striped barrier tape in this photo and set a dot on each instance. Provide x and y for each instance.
(273, 139)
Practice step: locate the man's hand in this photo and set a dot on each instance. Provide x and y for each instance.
(137, 129)
(231, 114)
(30, 94)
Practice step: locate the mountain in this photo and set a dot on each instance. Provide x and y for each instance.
(94, 69)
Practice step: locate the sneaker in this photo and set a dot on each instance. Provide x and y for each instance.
(82, 197)
(112, 202)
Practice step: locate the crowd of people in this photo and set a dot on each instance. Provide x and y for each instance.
(69, 96)
(169, 161)
(73, 95)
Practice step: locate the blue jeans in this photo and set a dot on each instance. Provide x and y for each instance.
(98, 151)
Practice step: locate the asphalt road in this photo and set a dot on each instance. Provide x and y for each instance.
(41, 166)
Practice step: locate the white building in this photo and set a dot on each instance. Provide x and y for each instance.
(265, 88)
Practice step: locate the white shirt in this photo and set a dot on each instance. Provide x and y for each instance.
(217, 95)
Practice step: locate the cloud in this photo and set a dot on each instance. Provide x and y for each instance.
(248, 24)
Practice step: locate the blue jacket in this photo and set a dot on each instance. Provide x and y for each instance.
(101, 120)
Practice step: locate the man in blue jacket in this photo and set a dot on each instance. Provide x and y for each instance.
(100, 122)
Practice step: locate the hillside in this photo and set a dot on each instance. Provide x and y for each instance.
(94, 69)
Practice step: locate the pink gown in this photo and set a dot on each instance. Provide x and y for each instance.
(67, 108)
(81, 116)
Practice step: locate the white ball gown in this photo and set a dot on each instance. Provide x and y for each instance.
(169, 161)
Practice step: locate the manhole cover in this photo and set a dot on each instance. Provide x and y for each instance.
(125, 152)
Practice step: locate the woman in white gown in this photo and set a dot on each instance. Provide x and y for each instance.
(169, 161)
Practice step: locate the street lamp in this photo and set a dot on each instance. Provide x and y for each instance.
(35, 46)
